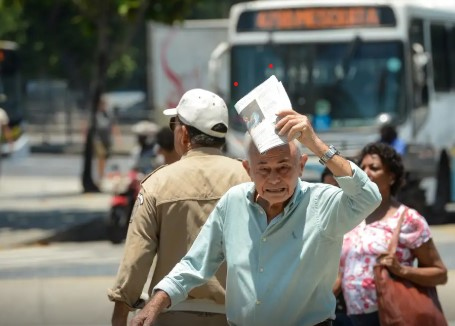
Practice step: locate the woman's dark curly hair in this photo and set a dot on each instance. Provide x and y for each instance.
(390, 159)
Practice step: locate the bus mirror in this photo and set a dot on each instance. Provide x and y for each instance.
(217, 72)
(420, 59)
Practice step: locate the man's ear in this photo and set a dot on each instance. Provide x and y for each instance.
(246, 166)
(185, 139)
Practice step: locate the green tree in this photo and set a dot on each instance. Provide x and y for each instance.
(10, 18)
(85, 40)
(114, 24)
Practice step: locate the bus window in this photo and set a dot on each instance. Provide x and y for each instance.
(356, 90)
(439, 44)
(452, 55)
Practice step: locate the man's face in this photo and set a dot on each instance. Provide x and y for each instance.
(276, 172)
(176, 127)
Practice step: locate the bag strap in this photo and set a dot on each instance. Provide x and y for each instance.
(396, 233)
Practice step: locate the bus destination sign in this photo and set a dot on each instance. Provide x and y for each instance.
(316, 18)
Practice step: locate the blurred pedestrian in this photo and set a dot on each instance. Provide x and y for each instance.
(173, 205)
(389, 135)
(280, 236)
(328, 178)
(145, 153)
(341, 317)
(166, 149)
(5, 133)
(364, 244)
(106, 128)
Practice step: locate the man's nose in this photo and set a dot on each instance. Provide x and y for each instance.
(274, 177)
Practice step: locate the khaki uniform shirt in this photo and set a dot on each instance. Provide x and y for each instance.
(171, 208)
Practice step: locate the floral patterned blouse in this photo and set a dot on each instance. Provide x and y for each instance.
(363, 244)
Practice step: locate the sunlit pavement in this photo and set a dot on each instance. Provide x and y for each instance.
(78, 298)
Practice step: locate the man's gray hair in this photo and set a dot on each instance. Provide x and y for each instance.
(197, 137)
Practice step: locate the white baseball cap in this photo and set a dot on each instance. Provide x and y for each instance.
(202, 110)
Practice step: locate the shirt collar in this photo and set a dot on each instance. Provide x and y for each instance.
(202, 151)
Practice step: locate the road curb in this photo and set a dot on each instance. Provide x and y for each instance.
(69, 149)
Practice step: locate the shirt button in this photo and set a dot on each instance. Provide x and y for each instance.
(264, 239)
(261, 269)
(258, 302)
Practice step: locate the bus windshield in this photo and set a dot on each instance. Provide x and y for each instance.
(349, 83)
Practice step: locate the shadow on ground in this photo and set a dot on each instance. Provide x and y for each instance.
(60, 225)
(43, 196)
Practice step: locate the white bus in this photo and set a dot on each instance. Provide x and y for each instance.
(350, 66)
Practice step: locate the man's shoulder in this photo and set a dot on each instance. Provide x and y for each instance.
(239, 190)
(152, 174)
(223, 161)
(313, 188)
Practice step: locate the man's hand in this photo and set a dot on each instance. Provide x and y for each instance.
(295, 126)
(120, 314)
(148, 315)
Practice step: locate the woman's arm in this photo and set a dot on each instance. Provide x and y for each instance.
(336, 289)
(431, 271)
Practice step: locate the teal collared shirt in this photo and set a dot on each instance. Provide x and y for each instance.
(281, 273)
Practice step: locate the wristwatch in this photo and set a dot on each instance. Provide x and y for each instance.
(328, 155)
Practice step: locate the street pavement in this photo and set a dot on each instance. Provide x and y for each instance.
(42, 200)
(70, 297)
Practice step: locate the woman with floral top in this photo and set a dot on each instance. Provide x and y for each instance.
(370, 239)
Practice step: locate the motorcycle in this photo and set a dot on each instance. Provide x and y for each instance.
(126, 187)
(126, 190)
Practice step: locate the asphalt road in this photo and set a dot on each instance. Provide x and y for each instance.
(65, 283)
(55, 165)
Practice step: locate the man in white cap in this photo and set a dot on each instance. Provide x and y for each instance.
(172, 206)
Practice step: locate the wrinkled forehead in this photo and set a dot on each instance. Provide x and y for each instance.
(284, 153)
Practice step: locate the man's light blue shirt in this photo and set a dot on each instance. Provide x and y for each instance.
(281, 273)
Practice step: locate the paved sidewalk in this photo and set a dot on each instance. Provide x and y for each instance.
(41, 209)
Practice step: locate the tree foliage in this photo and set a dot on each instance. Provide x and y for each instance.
(91, 44)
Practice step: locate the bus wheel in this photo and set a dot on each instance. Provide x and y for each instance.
(443, 183)
(413, 196)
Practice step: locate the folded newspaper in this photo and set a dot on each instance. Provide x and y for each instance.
(258, 110)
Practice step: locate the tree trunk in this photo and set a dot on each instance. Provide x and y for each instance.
(87, 180)
(98, 88)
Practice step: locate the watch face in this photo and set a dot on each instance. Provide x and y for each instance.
(328, 155)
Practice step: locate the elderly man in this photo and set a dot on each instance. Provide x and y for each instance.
(280, 237)
(172, 206)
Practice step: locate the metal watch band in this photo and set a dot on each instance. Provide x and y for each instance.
(332, 151)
